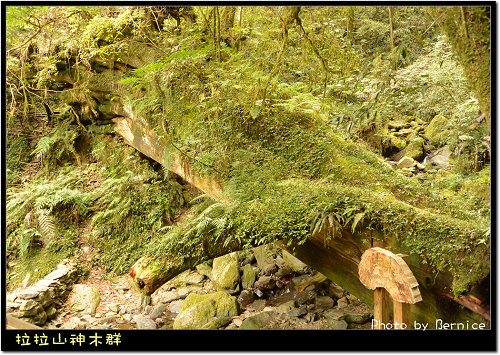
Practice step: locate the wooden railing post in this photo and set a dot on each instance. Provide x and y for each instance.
(381, 304)
(389, 276)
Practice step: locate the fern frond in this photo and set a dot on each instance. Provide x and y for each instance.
(46, 224)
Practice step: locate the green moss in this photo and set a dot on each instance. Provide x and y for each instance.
(437, 130)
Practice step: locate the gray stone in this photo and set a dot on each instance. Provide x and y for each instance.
(305, 297)
(47, 282)
(265, 283)
(337, 324)
(185, 291)
(193, 278)
(169, 296)
(294, 263)
(248, 277)
(286, 307)
(440, 158)
(284, 271)
(175, 306)
(27, 294)
(299, 280)
(225, 272)
(342, 303)
(333, 314)
(84, 299)
(335, 290)
(297, 312)
(258, 321)
(257, 305)
(358, 317)
(324, 302)
(145, 323)
(58, 273)
(157, 311)
(245, 298)
(269, 269)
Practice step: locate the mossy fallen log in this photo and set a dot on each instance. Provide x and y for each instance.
(284, 176)
(334, 249)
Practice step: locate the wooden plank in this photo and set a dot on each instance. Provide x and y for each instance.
(340, 264)
(402, 312)
(381, 307)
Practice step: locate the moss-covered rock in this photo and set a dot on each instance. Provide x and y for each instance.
(406, 162)
(196, 316)
(225, 272)
(198, 310)
(226, 304)
(217, 323)
(263, 255)
(248, 276)
(415, 149)
(437, 130)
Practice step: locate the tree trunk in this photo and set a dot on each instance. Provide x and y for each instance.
(468, 31)
(217, 33)
(227, 18)
(240, 15)
(391, 28)
(350, 23)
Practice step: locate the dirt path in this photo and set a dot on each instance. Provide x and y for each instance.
(116, 293)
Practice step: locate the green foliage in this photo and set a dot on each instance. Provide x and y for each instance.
(58, 146)
(292, 165)
(36, 205)
(17, 154)
(135, 203)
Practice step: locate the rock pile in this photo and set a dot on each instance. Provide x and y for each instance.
(278, 291)
(261, 288)
(412, 144)
(38, 303)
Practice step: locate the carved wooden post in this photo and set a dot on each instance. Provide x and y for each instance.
(388, 274)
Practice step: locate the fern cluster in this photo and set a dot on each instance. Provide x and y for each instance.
(34, 208)
(58, 146)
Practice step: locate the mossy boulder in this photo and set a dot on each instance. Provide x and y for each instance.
(263, 255)
(294, 263)
(415, 149)
(204, 269)
(437, 130)
(248, 276)
(198, 310)
(226, 273)
(258, 321)
(196, 316)
(406, 162)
